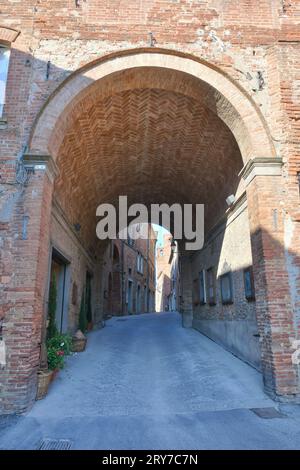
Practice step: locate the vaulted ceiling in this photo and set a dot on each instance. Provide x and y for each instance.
(152, 136)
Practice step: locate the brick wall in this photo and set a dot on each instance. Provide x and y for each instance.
(228, 250)
(257, 47)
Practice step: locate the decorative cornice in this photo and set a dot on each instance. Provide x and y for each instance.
(8, 35)
(261, 166)
(35, 162)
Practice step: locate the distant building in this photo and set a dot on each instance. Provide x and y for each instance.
(167, 280)
(128, 276)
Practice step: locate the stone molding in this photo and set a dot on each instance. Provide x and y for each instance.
(261, 166)
(8, 35)
(45, 163)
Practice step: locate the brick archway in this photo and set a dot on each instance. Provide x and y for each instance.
(231, 103)
(261, 174)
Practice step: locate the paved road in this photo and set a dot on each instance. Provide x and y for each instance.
(144, 382)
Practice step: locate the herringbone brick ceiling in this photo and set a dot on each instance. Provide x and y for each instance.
(152, 144)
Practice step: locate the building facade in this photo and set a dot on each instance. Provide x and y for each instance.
(128, 276)
(164, 101)
(167, 272)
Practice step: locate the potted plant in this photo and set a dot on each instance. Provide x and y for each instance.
(44, 380)
(79, 339)
(58, 347)
(45, 375)
(89, 315)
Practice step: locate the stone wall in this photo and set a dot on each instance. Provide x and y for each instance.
(228, 250)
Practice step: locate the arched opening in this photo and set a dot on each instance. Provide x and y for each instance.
(163, 127)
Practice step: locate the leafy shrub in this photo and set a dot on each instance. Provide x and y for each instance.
(55, 358)
(88, 303)
(61, 342)
(58, 347)
(82, 314)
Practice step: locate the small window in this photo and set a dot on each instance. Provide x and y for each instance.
(130, 241)
(202, 287)
(211, 286)
(4, 61)
(142, 265)
(249, 284)
(196, 297)
(226, 289)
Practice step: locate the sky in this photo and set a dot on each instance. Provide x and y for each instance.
(160, 237)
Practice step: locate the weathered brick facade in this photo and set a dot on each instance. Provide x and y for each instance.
(212, 109)
(128, 276)
(167, 275)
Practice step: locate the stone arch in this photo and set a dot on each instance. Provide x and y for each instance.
(230, 102)
(261, 172)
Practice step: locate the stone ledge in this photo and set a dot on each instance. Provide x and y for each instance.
(261, 166)
(3, 123)
(8, 35)
(33, 162)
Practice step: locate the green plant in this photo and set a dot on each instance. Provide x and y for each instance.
(52, 330)
(82, 314)
(61, 342)
(55, 358)
(88, 303)
(58, 347)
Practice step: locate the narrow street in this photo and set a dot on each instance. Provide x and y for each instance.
(145, 382)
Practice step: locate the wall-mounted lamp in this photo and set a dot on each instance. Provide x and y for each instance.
(230, 200)
(153, 40)
(173, 246)
(48, 70)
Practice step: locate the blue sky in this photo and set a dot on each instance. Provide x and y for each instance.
(161, 231)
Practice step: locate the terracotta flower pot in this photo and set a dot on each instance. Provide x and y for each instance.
(90, 326)
(44, 380)
(78, 344)
(54, 374)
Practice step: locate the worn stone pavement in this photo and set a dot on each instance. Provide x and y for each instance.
(144, 382)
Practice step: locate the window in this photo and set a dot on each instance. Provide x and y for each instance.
(211, 286)
(4, 61)
(140, 263)
(196, 298)
(249, 284)
(130, 241)
(226, 289)
(202, 287)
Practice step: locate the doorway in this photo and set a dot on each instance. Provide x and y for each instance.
(130, 297)
(60, 275)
